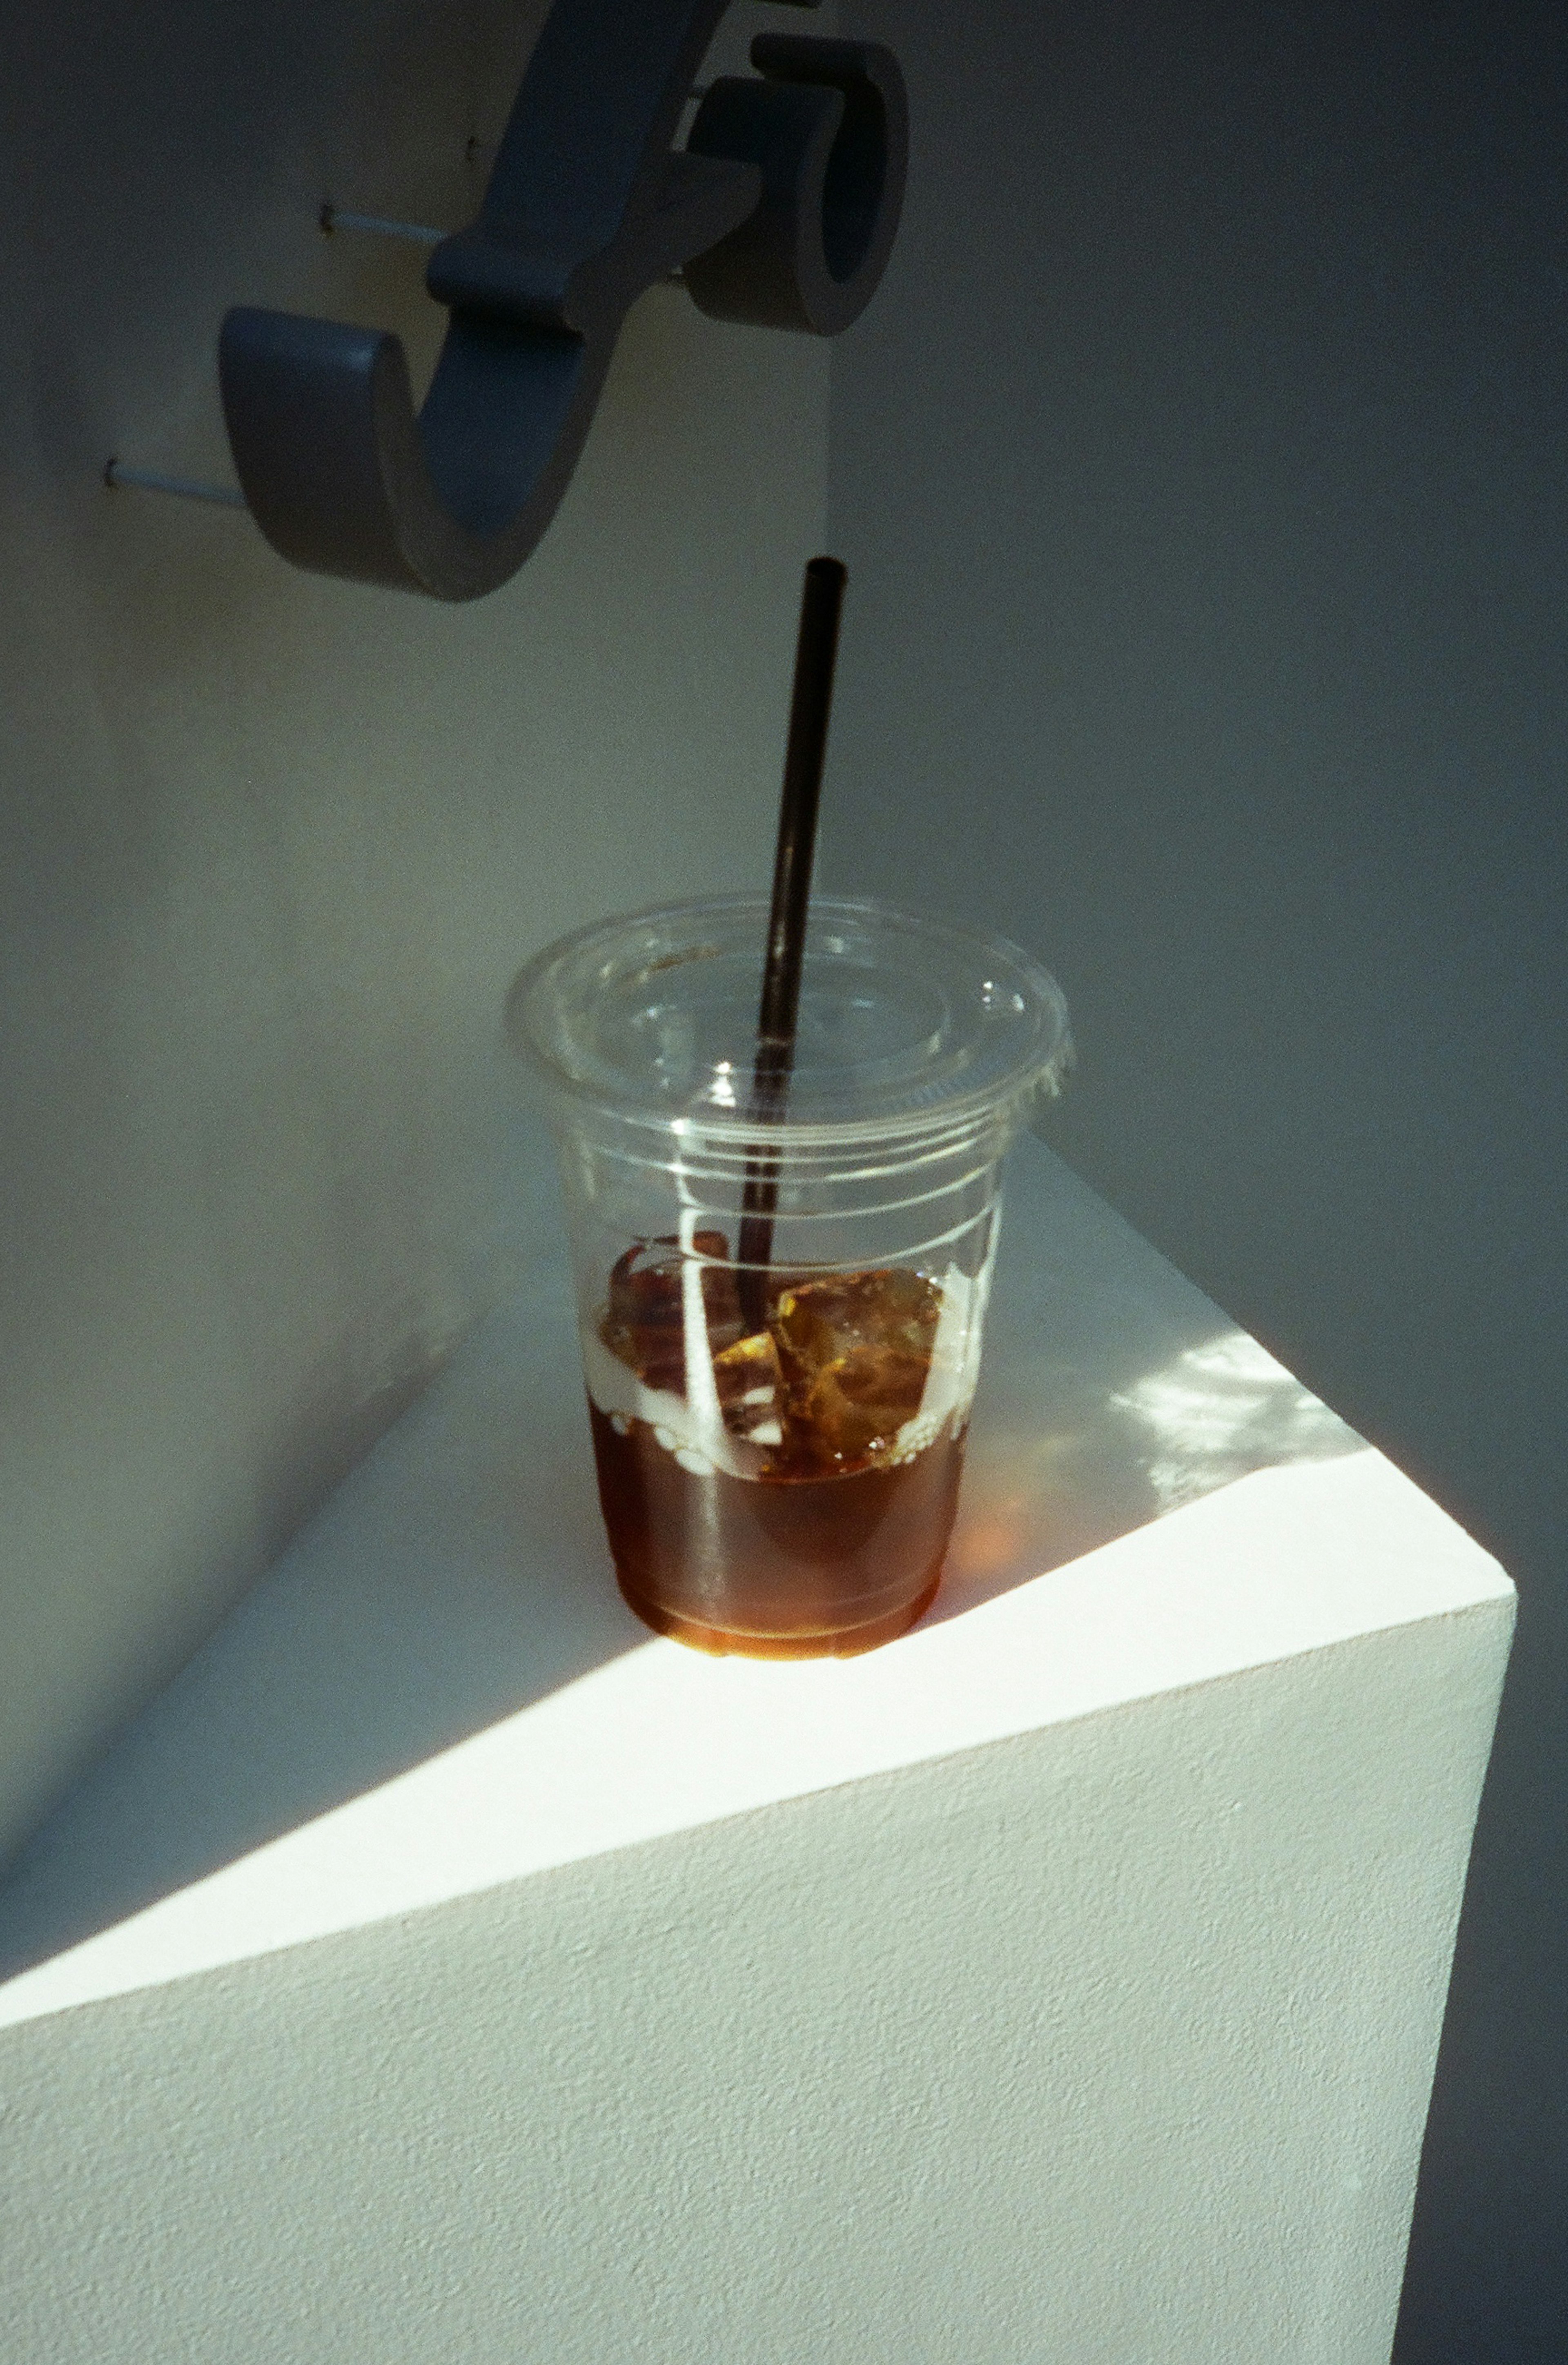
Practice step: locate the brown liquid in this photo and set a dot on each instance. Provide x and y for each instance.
(774, 1566)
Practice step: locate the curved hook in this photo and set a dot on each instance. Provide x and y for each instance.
(585, 207)
(828, 129)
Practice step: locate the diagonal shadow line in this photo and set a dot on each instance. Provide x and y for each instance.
(456, 1576)
(459, 1574)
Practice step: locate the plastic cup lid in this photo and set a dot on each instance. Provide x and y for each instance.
(906, 1024)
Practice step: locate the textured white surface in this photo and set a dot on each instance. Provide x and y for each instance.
(1062, 1981)
(657, 1740)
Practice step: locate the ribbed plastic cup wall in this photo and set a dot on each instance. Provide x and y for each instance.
(783, 1483)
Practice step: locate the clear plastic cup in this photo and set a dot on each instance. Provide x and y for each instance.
(779, 1440)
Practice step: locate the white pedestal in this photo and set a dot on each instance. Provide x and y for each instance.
(1060, 1983)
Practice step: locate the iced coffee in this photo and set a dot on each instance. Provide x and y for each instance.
(778, 1438)
(786, 1491)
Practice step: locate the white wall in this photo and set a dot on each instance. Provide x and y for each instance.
(1097, 2045)
(1200, 474)
(271, 846)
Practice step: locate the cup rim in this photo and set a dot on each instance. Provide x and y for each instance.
(1036, 1069)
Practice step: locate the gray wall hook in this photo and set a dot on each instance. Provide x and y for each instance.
(828, 126)
(780, 211)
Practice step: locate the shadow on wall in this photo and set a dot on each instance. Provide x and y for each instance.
(460, 1575)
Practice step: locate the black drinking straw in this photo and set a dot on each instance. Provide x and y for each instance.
(822, 603)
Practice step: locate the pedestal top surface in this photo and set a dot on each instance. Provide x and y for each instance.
(437, 1688)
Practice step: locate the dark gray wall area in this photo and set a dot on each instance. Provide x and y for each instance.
(1202, 472)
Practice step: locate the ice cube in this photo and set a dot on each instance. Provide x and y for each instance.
(644, 1320)
(751, 1388)
(820, 1319)
(854, 1355)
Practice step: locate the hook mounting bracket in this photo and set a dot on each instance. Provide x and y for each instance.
(780, 211)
